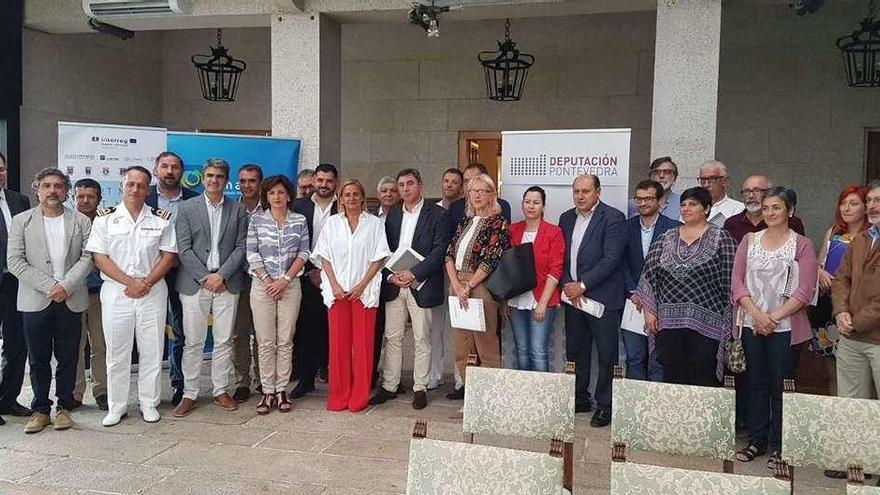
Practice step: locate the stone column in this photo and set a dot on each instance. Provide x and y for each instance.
(686, 57)
(307, 85)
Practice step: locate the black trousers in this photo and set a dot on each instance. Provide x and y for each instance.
(688, 358)
(14, 355)
(54, 330)
(310, 345)
(581, 330)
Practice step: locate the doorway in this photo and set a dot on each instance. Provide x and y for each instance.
(872, 154)
(480, 147)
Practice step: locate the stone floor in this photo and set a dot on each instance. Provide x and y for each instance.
(309, 451)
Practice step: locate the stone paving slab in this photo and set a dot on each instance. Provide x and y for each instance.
(84, 474)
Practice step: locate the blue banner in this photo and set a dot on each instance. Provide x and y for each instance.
(277, 156)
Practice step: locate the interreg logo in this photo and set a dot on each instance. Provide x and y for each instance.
(191, 178)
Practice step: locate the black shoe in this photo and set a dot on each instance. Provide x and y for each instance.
(381, 397)
(2, 421)
(16, 409)
(583, 408)
(101, 400)
(321, 375)
(600, 419)
(401, 390)
(241, 394)
(420, 399)
(177, 397)
(833, 473)
(301, 389)
(73, 405)
(456, 394)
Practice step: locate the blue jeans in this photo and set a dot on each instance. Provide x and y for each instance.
(639, 365)
(531, 338)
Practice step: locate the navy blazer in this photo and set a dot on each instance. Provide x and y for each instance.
(306, 207)
(430, 239)
(153, 196)
(600, 256)
(17, 203)
(633, 257)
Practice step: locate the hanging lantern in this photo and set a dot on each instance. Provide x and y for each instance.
(505, 69)
(218, 72)
(861, 53)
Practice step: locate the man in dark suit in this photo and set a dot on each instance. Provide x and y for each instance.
(422, 227)
(14, 354)
(167, 195)
(641, 232)
(310, 340)
(594, 242)
(458, 207)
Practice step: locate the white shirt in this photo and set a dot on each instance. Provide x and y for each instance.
(723, 209)
(319, 218)
(647, 234)
(215, 214)
(465, 240)
(526, 300)
(54, 229)
(382, 215)
(408, 225)
(582, 221)
(350, 254)
(133, 245)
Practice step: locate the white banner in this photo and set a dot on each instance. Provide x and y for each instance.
(102, 151)
(553, 159)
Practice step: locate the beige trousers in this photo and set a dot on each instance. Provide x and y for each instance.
(93, 333)
(485, 345)
(858, 369)
(242, 347)
(396, 313)
(275, 324)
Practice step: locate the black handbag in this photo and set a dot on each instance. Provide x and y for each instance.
(515, 273)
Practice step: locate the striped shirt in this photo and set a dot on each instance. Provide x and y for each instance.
(275, 249)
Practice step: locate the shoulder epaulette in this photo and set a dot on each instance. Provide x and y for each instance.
(106, 210)
(163, 214)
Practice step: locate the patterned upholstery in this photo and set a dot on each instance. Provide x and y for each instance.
(640, 479)
(452, 468)
(676, 419)
(521, 403)
(852, 489)
(830, 432)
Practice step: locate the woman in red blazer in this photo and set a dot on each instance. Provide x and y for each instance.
(532, 313)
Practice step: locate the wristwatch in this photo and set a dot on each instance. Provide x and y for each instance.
(286, 277)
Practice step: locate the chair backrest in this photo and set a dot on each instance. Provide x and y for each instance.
(676, 419)
(628, 478)
(856, 482)
(830, 432)
(521, 403)
(440, 467)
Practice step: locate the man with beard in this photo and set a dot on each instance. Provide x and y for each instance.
(47, 253)
(305, 183)
(664, 171)
(750, 219)
(310, 340)
(167, 196)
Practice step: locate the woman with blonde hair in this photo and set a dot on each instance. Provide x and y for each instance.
(351, 249)
(474, 252)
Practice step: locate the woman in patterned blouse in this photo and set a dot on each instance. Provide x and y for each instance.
(473, 254)
(685, 292)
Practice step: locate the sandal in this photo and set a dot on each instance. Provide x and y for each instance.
(749, 453)
(773, 460)
(835, 474)
(265, 404)
(284, 405)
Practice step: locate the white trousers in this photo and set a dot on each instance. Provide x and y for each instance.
(396, 312)
(440, 335)
(124, 320)
(196, 309)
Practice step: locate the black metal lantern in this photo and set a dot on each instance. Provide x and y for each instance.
(218, 72)
(505, 69)
(861, 53)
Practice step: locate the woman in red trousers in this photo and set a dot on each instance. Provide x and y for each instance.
(352, 249)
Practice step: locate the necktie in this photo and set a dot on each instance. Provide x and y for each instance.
(4, 238)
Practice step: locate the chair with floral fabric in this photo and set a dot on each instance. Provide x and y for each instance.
(675, 419)
(438, 467)
(629, 478)
(856, 483)
(832, 433)
(530, 404)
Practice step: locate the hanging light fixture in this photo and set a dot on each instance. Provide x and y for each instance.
(218, 72)
(427, 17)
(861, 53)
(505, 69)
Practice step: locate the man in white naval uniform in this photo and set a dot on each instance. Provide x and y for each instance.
(134, 246)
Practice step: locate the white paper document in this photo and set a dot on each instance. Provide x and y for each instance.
(633, 319)
(587, 305)
(473, 318)
(404, 259)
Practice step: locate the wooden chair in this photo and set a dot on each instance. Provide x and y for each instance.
(674, 419)
(530, 404)
(856, 482)
(438, 467)
(629, 478)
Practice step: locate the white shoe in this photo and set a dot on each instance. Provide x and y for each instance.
(113, 419)
(150, 415)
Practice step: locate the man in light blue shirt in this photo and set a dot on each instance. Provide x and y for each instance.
(664, 171)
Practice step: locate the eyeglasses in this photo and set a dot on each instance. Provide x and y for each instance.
(756, 192)
(647, 199)
(478, 192)
(662, 171)
(711, 179)
(872, 201)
